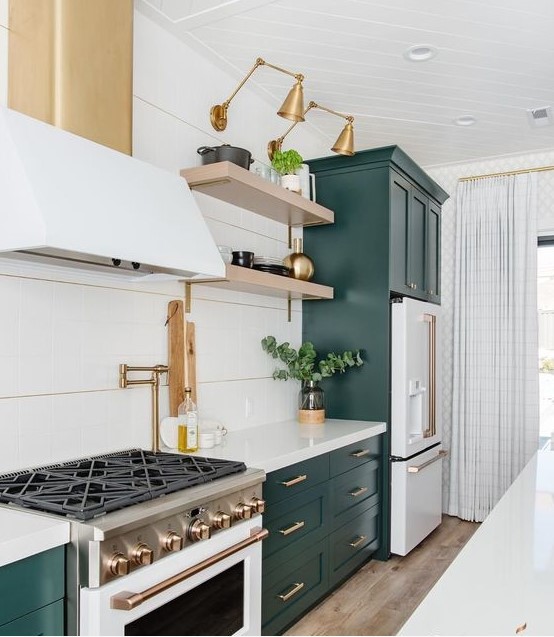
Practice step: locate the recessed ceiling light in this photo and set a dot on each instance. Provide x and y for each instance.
(465, 120)
(420, 53)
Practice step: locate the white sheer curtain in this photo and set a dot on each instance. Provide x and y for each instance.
(495, 411)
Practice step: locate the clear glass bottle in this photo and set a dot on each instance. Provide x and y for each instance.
(187, 424)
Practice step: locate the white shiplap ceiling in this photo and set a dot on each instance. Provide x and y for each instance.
(495, 60)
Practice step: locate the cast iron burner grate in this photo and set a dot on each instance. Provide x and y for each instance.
(86, 488)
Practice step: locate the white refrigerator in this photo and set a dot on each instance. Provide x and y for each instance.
(416, 452)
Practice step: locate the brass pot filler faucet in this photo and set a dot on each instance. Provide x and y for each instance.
(154, 381)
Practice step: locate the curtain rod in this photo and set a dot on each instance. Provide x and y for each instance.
(539, 169)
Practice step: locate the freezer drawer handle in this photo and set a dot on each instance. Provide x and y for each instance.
(358, 491)
(361, 453)
(127, 600)
(293, 481)
(357, 541)
(419, 467)
(296, 588)
(291, 529)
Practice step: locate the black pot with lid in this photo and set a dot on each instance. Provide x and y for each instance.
(225, 152)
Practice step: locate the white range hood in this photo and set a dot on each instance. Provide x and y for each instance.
(70, 201)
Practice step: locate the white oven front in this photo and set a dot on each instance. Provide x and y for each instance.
(211, 588)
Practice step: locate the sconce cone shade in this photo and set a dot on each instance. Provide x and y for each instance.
(293, 106)
(345, 141)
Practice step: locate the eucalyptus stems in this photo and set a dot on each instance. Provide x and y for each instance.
(301, 364)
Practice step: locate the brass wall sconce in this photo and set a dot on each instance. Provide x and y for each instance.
(292, 108)
(345, 141)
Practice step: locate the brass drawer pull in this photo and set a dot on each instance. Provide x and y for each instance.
(296, 588)
(417, 468)
(293, 481)
(357, 542)
(358, 491)
(361, 453)
(291, 529)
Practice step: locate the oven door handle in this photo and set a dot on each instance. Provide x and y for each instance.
(127, 601)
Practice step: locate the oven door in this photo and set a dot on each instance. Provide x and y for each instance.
(212, 588)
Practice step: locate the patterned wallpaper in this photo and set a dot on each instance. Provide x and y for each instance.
(447, 176)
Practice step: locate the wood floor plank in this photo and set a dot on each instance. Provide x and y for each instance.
(381, 596)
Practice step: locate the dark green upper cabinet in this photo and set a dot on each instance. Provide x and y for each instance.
(433, 258)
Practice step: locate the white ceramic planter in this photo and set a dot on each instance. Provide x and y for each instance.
(291, 182)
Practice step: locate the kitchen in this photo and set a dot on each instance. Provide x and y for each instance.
(60, 396)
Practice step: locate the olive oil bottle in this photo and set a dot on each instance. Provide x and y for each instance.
(187, 424)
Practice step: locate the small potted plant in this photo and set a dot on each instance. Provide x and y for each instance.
(286, 162)
(301, 365)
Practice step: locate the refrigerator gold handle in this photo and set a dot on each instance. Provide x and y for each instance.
(417, 468)
(431, 430)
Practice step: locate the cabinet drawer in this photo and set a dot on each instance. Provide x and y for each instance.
(44, 621)
(295, 478)
(355, 489)
(353, 455)
(353, 543)
(31, 583)
(293, 589)
(296, 523)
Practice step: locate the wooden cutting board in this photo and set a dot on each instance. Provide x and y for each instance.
(182, 355)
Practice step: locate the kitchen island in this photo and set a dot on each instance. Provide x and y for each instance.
(502, 582)
(277, 445)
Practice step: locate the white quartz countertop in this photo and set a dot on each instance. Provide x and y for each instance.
(23, 534)
(280, 444)
(503, 578)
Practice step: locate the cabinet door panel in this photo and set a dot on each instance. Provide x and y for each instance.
(433, 252)
(299, 521)
(45, 621)
(31, 583)
(353, 544)
(416, 242)
(298, 585)
(399, 224)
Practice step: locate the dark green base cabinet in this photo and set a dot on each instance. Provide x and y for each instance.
(323, 519)
(31, 595)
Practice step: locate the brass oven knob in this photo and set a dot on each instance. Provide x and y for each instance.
(119, 564)
(172, 541)
(221, 520)
(243, 511)
(199, 530)
(142, 554)
(258, 505)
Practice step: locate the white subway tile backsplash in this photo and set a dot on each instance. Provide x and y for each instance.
(35, 416)
(4, 13)
(35, 375)
(3, 65)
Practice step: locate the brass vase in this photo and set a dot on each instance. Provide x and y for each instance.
(300, 264)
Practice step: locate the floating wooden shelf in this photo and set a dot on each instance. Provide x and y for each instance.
(256, 282)
(235, 185)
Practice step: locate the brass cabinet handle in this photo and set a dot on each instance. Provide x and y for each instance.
(291, 529)
(127, 601)
(361, 453)
(431, 320)
(357, 542)
(293, 481)
(358, 491)
(296, 588)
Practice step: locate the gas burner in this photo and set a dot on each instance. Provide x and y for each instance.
(84, 489)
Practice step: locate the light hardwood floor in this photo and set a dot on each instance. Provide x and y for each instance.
(381, 596)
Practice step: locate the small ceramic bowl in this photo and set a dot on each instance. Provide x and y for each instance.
(243, 258)
(226, 253)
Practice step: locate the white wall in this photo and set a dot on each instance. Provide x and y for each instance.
(447, 176)
(63, 334)
(3, 52)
